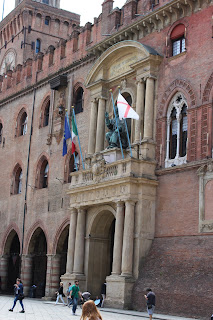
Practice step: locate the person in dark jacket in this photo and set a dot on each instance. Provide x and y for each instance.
(150, 301)
(19, 295)
(60, 294)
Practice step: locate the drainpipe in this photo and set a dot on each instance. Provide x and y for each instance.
(27, 174)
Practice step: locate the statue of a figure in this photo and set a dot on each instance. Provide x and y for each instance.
(112, 136)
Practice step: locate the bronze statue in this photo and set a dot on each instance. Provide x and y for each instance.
(112, 136)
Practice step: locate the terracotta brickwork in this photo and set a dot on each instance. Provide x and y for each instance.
(168, 204)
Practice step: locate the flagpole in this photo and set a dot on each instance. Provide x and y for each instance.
(73, 111)
(117, 124)
(127, 132)
(75, 164)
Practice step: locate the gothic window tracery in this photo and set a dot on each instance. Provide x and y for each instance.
(177, 127)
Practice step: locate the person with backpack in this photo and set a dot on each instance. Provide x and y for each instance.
(150, 302)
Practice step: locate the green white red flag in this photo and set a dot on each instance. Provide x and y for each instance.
(74, 134)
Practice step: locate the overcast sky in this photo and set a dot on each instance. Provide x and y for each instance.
(88, 9)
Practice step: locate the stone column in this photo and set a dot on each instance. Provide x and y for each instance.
(26, 274)
(139, 110)
(52, 275)
(128, 239)
(118, 239)
(149, 108)
(93, 126)
(4, 272)
(178, 135)
(100, 125)
(71, 241)
(80, 242)
(168, 123)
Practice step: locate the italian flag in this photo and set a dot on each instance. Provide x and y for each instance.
(74, 133)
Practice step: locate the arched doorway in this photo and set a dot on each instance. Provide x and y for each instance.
(38, 250)
(12, 249)
(101, 242)
(62, 249)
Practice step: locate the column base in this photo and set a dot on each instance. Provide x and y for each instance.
(68, 277)
(119, 292)
(148, 149)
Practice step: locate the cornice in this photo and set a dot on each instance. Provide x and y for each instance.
(151, 22)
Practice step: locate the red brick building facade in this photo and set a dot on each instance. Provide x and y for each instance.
(54, 224)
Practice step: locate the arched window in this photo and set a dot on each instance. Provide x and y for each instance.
(79, 100)
(1, 132)
(43, 181)
(46, 114)
(72, 164)
(38, 46)
(47, 21)
(178, 39)
(16, 186)
(176, 131)
(23, 124)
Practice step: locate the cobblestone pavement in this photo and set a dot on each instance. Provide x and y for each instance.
(42, 310)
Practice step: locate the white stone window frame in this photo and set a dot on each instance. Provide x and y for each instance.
(178, 106)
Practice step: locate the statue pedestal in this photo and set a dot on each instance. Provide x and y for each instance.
(112, 155)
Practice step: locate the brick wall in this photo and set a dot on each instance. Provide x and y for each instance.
(179, 271)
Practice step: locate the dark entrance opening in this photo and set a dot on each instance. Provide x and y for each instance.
(13, 262)
(38, 249)
(62, 250)
(101, 244)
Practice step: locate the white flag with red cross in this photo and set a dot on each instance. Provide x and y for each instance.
(124, 109)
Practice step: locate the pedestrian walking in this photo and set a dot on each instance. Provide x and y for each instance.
(60, 294)
(103, 293)
(90, 311)
(75, 294)
(69, 300)
(19, 295)
(150, 302)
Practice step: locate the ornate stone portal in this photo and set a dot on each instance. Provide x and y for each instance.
(112, 202)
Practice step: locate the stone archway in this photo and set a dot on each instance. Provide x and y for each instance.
(61, 249)
(38, 251)
(101, 242)
(12, 265)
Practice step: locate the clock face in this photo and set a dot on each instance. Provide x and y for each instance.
(8, 62)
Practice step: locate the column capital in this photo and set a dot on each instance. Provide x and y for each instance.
(150, 76)
(131, 202)
(140, 80)
(120, 203)
(73, 210)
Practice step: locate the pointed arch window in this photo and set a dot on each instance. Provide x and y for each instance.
(42, 176)
(24, 120)
(79, 100)
(16, 186)
(177, 126)
(46, 114)
(71, 165)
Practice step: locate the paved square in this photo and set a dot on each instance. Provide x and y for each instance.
(46, 310)
(40, 310)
